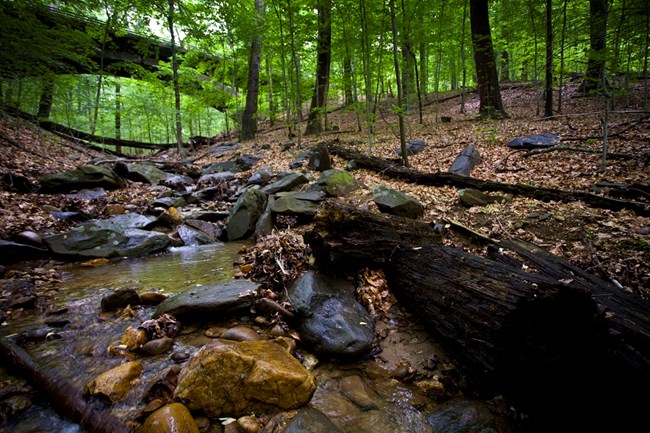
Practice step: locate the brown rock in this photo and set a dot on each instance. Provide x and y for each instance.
(157, 346)
(172, 418)
(114, 384)
(235, 379)
(240, 333)
(152, 298)
(133, 338)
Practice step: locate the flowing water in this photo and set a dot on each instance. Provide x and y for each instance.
(77, 352)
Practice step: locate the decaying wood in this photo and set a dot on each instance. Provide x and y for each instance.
(533, 332)
(396, 171)
(345, 236)
(93, 417)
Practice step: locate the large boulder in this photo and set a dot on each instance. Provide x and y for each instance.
(226, 296)
(237, 378)
(84, 177)
(395, 202)
(121, 236)
(336, 183)
(331, 321)
(297, 203)
(244, 214)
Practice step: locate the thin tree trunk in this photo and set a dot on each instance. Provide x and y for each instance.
(548, 90)
(47, 95)
(462, 58)
(296, 62)
(367, 78)
(532, 24)
(249, 117)
(177, 92)
(424, 78)
(283, 54)
(400, 108)
(645, 56)
(272, 106)
(118, 114)
(561, 83)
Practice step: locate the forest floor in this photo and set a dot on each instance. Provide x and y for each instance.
(612, 244)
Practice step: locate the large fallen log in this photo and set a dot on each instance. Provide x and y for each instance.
(543, 336)
(396, 171)
(92, 416)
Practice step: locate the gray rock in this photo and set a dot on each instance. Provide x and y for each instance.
(178, 181)
(535, 141)
(146, 173)
(120, 298)
(465, 416)
(297, 203)
(88, 194)
(413, 147)
(466, 161)
(238, 165)
(120, 236)
(223, 297)
(286, 183)
(336, 183)
(395, 202)
(331, 321)
(193, 237)
(261, 176)
(216, 178)
(244, 214)
(84, 177)
(266, 222)
(310, 420)
(319, 159)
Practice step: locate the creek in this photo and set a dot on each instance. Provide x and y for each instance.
(372, 401)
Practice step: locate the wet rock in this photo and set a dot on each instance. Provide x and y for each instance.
(535, 141)
(146, 173)
(241, 333)
(331, 321)
(193, 237)
(120, 298)
(466, 161)
(244, 214)
(266, 222)
(29, 238)
(115, 384)
(133, 338)
(237, 378)
(413, 147)
(152, 298)
(86, 176)
(69, 216)
(286, 183)
(336, 183)
(310, 420)
(120, 236)
(210, 299)
(167, 202)
(180, 356)
(472, 197)
(249, 424)
(395, 202)
(465, 416)
(157, 346)
(355, 390)
(172, 418)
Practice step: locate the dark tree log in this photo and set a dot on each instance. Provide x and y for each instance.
(394, 170)
(94, 417)
(555, 339)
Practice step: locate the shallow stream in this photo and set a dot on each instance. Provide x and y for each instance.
(359, 397)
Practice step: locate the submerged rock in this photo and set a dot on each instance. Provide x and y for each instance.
(464, 416)
(172, 418)
(237, 378)
(310, 420)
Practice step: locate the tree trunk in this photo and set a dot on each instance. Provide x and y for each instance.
(593, 80)
(562, 40)
(491, 105)
(324, 50)
(118, 114)
(400, 105)
(45, 101)
(178, 124)
(249, 117)
(548, 87)
(347, 78)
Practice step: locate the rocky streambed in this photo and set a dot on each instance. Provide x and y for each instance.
(236, 361)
